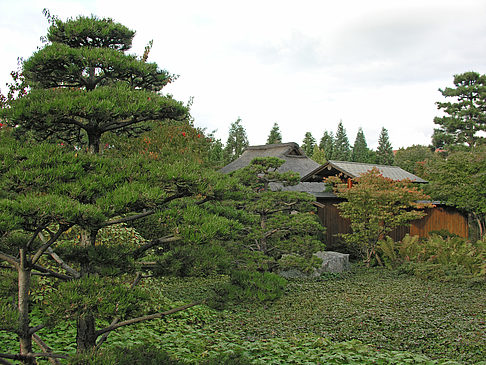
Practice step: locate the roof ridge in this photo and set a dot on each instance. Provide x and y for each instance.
(364, 163)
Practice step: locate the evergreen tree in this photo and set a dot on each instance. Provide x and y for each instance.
(237, 141)
(327, 145)
(466, 116)
(361, 152)
(308, 144)
(88, 86)
(283, 233)
(275, 136)
(342, 149)
(384, 152)
(318, 155)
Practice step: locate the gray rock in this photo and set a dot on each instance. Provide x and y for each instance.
(333, 262)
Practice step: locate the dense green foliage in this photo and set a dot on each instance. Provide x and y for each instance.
(360, 152)
(460, 181)
(465, 117)
(83, 85)
(326, 144)
(364, 317)
(341, 150)
(237, 141)
(440, 258)
(384, 152)
(308, 144)
(283, 222)
(414, 159)
(275, 135)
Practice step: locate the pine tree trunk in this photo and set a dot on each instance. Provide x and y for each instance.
(25, 338)
(94, 139)
(85, 333)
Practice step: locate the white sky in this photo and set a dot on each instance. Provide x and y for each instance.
(305, 65)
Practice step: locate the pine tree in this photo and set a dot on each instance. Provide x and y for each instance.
(360, 152)
(308, 144)
(88, 86)
(327, 145)
(342, 149)
(384, 152)
(465, 119)
(275, 136)
(237, 141)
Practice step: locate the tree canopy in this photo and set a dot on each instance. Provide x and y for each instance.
(375, 205)
(83, 85)
(308, 144)
(384, 152)
(237, 141)
(275, 135)
(341, 150)
(360, 151)
(460, 180)
(326, 144)
(465, 115)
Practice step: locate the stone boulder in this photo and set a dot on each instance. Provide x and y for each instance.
(334, 262)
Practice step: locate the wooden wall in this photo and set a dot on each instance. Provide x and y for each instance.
(438, 218)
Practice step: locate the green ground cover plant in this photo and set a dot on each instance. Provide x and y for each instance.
(366, 316)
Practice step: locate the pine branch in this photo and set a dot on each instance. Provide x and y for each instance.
(103, 338)
(52, 240)
(51, 273)
(139, 251)
(60, 261)
(10, 259)
(146, 318)
(45, 348)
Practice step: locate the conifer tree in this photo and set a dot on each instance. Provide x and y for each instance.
(83, 85)
(308, 144)
(237, 141)
(318, 155)
(327, 145)
(360, 152)
(384, 152)
(275, 136)
(342, 149)
(465, 119)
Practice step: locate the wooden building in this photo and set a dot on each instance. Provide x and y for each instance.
(312, 174)
(441, 217)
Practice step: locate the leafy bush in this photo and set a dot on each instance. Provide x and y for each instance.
(437, 257)
(138, 355)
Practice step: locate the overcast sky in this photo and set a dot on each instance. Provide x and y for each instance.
(305, 65)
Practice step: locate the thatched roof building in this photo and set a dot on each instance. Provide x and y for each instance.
(295, 160)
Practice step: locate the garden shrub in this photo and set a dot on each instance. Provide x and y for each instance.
(437, 257)
(143, 354)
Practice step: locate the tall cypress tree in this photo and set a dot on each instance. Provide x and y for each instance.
(342, 149)
(237, 141)
(308, 144)
(275, 136)
(360, 152)
(384, 152)
(327, 145)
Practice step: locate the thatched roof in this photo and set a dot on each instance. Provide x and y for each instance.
(356, 169)
(295, 160)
